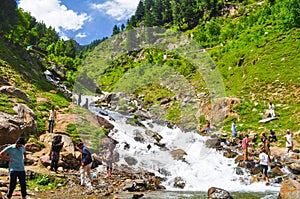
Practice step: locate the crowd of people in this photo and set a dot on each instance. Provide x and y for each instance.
(265, 152)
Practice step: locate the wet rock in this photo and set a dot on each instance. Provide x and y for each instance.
(179, 183)
(137, 196)
(239, 171)
(130, 160)
(178, 154)
(213, 143)
(104, 123)
(218, 193)
(228, 153)
(138, 136)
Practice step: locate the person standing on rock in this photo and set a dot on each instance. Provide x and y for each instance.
(289, 141)
(233, 129)
(109, 159)
(86, 164)
(266, 143)
(245, 147)
(56, 147)
(16, 155)
(263, 161)
(52, 117)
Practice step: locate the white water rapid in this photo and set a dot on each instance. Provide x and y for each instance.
(201, 169)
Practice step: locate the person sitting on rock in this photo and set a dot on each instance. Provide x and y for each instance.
(272, 109)
(272, 137)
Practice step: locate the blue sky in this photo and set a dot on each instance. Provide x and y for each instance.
(82, 20)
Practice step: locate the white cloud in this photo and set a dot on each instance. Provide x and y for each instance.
(81, 35)
(118, 9)
(64, 37)
(53, 14)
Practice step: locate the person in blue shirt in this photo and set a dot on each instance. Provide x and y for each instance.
(15, 154)
(233, 129)
(86, 164)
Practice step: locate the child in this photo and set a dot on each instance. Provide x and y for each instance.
(108, 158)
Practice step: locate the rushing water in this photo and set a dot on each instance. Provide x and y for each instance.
(200, 169)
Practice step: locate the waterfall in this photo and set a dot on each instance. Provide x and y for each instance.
(201, 167)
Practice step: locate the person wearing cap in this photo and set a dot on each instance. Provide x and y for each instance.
(15, 154)
(289, 141)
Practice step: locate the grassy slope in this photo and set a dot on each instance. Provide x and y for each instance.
(22, 71)
(269, 73)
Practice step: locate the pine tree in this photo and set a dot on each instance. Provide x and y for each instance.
(140, 11)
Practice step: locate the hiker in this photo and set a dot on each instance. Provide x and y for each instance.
(108, 157)
(289, 141)
(86, 164)
(263, 161)
(207, 130)
(272, 137)
(233, 129)
(79, 99)
(266, 144)
(52, 117)
(86, 104)
(56, 147)
(245, 146)
(272, 109)
(15, 154)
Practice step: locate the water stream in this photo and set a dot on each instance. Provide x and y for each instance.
(201, 167)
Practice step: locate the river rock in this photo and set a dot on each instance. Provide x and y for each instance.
(290, 189)
(294, 168)
(178, 154)
(179, 183)
(218, 193)
(130, 160)
(213, 143)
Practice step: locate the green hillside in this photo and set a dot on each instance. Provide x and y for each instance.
(254, 44)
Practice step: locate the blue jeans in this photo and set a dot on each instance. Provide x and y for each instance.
(13, 175)
(51, 125)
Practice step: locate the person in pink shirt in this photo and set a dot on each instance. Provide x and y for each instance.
(245, 147)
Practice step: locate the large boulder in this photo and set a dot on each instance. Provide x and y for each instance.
(218, 193)
(68, 143)
(13, 126)
(217, 110)
(290, 189)
(13, 91)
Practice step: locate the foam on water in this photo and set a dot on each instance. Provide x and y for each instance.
(201, 167)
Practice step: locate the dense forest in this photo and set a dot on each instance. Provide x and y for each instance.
(248, 39)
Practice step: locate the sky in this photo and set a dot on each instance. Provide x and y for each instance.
(82, 20)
